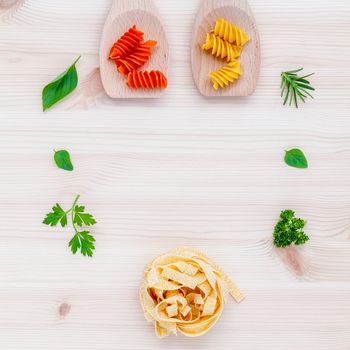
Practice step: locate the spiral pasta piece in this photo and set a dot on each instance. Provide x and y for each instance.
(226, 75)
(137, 58)
(147, 79)
(221, 48)
(230, 32)
(126, 44)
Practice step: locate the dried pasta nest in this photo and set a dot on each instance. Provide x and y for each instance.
(185, 291)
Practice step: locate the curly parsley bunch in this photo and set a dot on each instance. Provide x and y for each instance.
(289, 229)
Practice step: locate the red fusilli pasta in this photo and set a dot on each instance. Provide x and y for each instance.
(126, 44)
(137, 58)
(147, 80)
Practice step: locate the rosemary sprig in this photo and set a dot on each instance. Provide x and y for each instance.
(295, 87)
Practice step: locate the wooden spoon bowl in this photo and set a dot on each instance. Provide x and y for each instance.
(123, 15)
(239, 13)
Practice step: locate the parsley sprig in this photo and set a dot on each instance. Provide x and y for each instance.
(289, 229)
(295, 87)
(82, 240)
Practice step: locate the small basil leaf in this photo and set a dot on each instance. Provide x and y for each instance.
(60, 87)
(62, 160)
(296, 158)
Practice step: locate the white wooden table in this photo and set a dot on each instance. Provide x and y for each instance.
(182, 170)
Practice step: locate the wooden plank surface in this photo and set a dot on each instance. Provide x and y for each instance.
(182, 170)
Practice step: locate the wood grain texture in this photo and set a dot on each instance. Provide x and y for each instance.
(239, 13)
(180, 170)
(123, 15)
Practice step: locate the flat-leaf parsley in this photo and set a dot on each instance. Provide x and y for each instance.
(82, 240)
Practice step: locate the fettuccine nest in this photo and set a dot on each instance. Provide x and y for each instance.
(184, 290)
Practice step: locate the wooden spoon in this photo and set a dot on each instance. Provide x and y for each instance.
(123, 15)
(239, 13)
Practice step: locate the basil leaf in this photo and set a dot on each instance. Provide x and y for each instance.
(296, 158)
(62, 160)
(60, 87)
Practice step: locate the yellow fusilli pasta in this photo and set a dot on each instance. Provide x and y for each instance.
(230, 32)
(221, 48)
(226, 75)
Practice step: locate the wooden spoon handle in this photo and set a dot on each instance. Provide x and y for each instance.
(208, 6)
(123, 15)
(239, 13)
(120, 6)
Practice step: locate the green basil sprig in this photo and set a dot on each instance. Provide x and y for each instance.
(296, 159)
(63, 161)
(60, 87)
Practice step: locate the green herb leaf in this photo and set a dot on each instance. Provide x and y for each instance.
(74, 243)
(87, 245)
(294, 87)
(82, 240)
(289, 229)
(57, 215)
(296, 158)
(60, 87)
(62, 160)
(81, 218)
